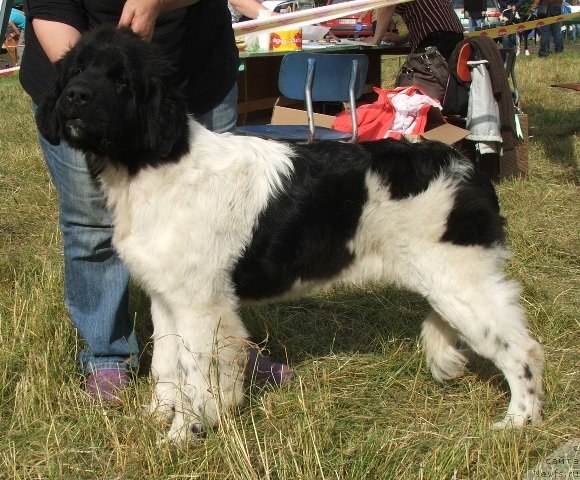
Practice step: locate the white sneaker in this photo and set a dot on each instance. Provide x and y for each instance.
(527, 53)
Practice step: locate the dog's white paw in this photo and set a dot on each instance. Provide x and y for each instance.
(510, 421)
(186, 428)
(160, 412)
(201, 400)
(162, 405)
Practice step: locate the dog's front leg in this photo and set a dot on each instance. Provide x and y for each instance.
(165, 360)
(210, 367)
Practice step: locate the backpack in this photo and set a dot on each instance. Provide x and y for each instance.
(427, 70)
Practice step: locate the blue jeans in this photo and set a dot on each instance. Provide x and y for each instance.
(548, 32)
(95, 280)
(475, 24)
(509, 41)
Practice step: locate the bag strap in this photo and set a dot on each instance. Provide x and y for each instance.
(428, 58)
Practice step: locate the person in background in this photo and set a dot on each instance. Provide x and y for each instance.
(429, 22)
(198, 42)
(474, 9)
(241, 9)
(544, 9)
(392, 28)
(571, 8)
(15, 35)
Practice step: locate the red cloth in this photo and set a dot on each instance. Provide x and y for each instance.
(374, 119)
(398, 112)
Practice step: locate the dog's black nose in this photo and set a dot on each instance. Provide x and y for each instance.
(78, 94)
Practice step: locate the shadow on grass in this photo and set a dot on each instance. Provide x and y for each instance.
(555, 130)
(346, 320)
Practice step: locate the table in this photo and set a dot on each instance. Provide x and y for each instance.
(258, 80)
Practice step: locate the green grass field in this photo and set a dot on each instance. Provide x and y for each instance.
(363, 404)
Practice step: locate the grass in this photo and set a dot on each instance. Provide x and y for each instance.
(363, 405)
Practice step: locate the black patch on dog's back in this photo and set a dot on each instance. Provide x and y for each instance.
(474, 218)
(303, 233)
(408, 168)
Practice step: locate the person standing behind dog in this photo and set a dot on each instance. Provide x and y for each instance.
(15, 32)
(474, 9)
(430, 23)
(197, 39)
(544, 9)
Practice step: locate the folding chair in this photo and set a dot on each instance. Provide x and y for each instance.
(316, 77)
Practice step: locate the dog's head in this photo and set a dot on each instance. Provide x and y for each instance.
(509, 17)
(114, 98)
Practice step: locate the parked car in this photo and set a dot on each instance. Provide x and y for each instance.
(491, 17)
(355, 25)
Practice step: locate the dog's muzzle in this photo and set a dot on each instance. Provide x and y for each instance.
(78, 94)
(73, 100)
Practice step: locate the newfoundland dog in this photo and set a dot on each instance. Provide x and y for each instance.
(208, 222)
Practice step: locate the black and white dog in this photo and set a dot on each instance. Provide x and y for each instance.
(207, 222)
(510, 16)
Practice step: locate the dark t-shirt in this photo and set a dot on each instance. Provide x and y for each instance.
(198, 41)
(474, 8)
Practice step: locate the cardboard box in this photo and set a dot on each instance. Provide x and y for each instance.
(437, 128)
(293, 116)
(514, 162)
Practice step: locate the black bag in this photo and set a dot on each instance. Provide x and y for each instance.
(457, 95)
(427, 70)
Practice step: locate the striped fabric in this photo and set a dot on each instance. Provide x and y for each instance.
(427, 16)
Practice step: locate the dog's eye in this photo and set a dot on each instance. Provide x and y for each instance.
(80, 68)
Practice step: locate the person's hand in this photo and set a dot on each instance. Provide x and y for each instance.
(140, 16)
(392, 37)
(371, 41)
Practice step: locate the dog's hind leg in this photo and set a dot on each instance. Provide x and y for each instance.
(210, 365)
(444, 359)
(471, 294)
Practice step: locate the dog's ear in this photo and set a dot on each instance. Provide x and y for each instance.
(46, 117)
(165, 117)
